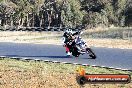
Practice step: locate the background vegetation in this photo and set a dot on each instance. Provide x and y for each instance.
(90, 13)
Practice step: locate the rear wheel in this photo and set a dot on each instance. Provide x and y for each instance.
(91, 53)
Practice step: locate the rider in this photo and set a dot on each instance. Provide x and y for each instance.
(67, 37)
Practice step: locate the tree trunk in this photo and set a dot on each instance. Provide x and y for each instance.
(41, 22)
(3, 21)
(28, 20)
(11, 21)
(32, 22)
(49, 19)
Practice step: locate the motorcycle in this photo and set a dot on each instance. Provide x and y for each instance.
(79, 47)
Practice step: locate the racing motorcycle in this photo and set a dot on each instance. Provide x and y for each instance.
(79, 47)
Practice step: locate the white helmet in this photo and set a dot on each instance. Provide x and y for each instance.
(68, 30)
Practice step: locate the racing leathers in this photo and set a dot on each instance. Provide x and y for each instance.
(68, 41)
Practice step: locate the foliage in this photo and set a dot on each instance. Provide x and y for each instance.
(111, 12)
(73, 12)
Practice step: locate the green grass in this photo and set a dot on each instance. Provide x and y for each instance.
(39, 73)
(55, 67)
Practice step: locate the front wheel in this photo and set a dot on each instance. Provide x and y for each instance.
(91, 53)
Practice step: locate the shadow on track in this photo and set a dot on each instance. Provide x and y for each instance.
(38, 56)
(44, 56)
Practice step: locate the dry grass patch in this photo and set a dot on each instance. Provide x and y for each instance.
(110, 43)
(19, 74)
(56, 38)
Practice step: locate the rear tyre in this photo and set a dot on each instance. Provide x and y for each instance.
(91, 53)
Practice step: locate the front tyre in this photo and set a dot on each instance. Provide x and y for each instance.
(91, 53)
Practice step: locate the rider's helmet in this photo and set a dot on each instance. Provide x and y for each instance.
(68, 31)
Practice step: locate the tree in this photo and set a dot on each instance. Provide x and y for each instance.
(72, 16)
(6, 9)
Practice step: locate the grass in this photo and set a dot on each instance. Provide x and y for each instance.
(111, 33)
(102, 40)
(48, 38)
(39, 74)
(57, 67)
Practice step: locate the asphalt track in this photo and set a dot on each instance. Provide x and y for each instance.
(106, 57)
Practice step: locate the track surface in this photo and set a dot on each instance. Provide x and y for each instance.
(108, 57)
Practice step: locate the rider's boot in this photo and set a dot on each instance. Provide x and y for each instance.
(68, 53)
